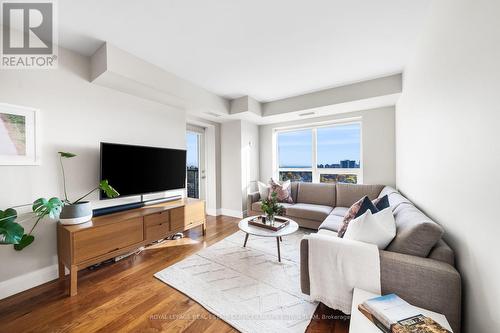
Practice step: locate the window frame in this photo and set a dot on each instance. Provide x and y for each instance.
(317, 172)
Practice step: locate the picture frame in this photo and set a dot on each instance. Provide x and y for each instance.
(19, 130)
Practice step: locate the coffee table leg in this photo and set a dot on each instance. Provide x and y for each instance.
(246, 238)
(278, 243)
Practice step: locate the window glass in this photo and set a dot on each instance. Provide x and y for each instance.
(295, 149)
(339, 146)
(335, 178)
(296, 176)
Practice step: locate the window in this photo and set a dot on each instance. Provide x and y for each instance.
(326, 154)
(295, 155)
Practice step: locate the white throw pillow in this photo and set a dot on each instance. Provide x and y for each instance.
(378, 229)
(263, 190)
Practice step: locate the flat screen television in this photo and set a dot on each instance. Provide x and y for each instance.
(135, 170)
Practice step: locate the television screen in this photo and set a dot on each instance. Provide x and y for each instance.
(134, 170)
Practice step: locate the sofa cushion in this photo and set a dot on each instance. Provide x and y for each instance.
(340, 211)
(317, 194)
(396, 200)
(416, 233)
(327, 232)
(283, 191)
(386, 191)
(347, 194)
(309, 211)
(332, 222)
(256, 206)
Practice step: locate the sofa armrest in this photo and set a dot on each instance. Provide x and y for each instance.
(251, 198)
(423, 282)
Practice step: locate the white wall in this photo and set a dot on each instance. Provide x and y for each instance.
(377, 143)
(231, 173)
(239, 164)
(250, 159)
(448, 143)
(75, 116)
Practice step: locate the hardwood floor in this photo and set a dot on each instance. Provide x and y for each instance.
(125, 297)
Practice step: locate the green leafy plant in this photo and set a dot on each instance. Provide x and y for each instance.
(103, 185)
(271, 207)
(62, 155)
(12, 232)
(41, 208)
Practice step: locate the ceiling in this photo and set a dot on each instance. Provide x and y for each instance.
(261, 48)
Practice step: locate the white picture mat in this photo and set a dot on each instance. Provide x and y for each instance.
(32, 156)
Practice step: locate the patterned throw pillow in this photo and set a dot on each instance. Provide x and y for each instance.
(350, 215)
(381, 203)
(283, 191)
(360, 207)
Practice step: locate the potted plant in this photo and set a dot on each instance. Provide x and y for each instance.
(271, 207)
(79, 211)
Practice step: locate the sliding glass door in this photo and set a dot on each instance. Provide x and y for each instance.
(195, 163)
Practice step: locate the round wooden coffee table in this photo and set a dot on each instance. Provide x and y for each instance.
(263, 232)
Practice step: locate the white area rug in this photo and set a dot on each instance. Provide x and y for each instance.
(247, 287)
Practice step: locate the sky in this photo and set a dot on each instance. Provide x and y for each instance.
(341, 142)
(192, 149)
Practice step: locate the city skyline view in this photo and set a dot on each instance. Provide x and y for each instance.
(192, 149)
(335, 146)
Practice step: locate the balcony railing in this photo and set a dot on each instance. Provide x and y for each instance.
(193, 182)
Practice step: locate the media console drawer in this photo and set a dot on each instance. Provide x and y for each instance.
(90, 243)
(157, 218)
(156, 226)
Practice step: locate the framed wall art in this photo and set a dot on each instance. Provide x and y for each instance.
(18, 135)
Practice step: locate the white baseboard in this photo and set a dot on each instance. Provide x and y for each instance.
(232, 213)
(214, 212)
(29, 280)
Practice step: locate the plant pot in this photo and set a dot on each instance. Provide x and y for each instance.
(76, 213)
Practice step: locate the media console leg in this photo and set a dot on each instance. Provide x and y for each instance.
(73, 280)
(61, 269)
(204, 228)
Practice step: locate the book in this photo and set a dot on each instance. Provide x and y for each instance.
(392, 314)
